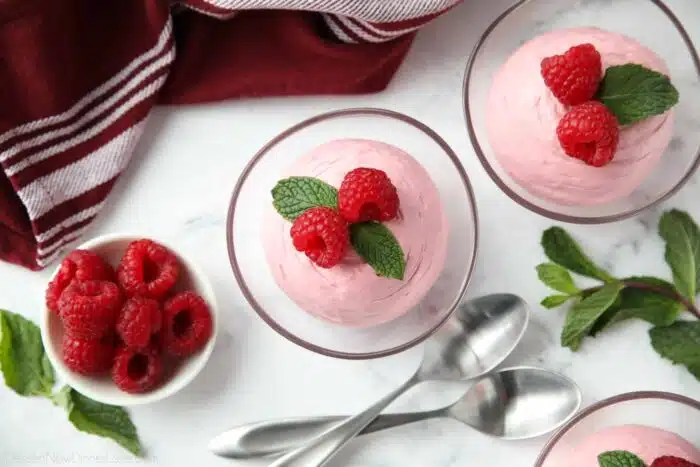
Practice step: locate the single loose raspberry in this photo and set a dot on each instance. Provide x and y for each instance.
(187, 324)
(367, 195)
(575, 76)
(138, 320)
(88, 356)
(82, 265)
(137, 371)
(589, 132)
(148, 269)
(89, 309)
(322, 234)
(670, 461)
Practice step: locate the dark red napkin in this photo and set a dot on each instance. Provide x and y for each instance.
(79, 77)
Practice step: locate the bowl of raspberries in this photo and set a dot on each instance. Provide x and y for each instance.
(128, 320)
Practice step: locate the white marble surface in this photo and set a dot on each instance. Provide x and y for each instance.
(178, 188)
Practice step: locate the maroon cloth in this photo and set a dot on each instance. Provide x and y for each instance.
(79, 78)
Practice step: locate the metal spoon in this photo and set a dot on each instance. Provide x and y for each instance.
(515, 403)
(478, 336)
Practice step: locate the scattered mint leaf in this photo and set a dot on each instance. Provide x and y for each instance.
(682, 237)
(679, 343)
(554, 301)
(24, 364)
(563, 250)
(103, 420)
(557, 278)
(584, 314)
(375, 243)
(633, 92)
(620, 459)
(294, 195)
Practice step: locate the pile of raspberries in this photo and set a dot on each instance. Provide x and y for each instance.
(128, 322)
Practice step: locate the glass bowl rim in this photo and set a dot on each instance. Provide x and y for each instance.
(609, 402)
(571, 219)
(297, 127)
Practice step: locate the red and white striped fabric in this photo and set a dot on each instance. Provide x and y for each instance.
(79, 77)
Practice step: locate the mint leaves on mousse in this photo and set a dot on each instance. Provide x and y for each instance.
(620, 459)
(634, 93)
(27, 371)
(372, 241)
(617, 300)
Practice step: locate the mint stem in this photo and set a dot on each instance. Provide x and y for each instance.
(672, 294)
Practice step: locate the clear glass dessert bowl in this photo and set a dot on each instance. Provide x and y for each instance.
(251, 204)
(661, 410)
(649, 22)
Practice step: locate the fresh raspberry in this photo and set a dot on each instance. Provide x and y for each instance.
(187, 324)
(82, 265)
(137, 371)
(148, 269)
(367, 195)
(670, 461)
(589, 132)
(322, 234)
(138, 320)
(573, 77)
(89, 309)
(88, 356)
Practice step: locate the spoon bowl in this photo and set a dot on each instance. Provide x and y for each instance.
(514, 403)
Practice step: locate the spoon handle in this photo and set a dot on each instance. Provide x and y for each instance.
(320, 449)
(276, 437)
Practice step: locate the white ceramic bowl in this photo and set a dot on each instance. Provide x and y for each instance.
(102, 389)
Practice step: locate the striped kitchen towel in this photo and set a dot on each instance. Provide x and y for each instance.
(78, 79)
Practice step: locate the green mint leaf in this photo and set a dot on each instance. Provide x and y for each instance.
(647, 305)
(634, 93)
(24, 364)
(682, 237)
(584, 314)
(554, 301)
(679, 343)
(620, 459)
(375, 243)
(99, 419)
(557, 278)
(563, 250)
(294, 195)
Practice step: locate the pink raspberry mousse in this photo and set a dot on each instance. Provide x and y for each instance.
(645, 442)
(522, 115)
(350, 293)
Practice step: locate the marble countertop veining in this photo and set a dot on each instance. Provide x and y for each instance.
(178, 188)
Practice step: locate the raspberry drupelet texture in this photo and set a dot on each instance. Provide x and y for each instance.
(89, 309)
(138, 320)
(137, 371)
(322, 234)
(670, 461)
(589, 132)
(573, 77)
(81, 265)
(88, 356)
(187, 324)
(367, 195)
(148, 269)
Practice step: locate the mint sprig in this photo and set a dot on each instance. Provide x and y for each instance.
(375, 243)
(619, 300)
(620, 459)
(24, 364)
(634, 93)
(27, 371)
(372, 241)
(294, 195)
